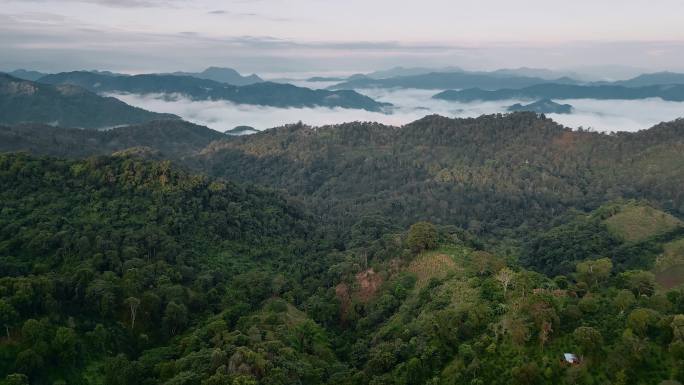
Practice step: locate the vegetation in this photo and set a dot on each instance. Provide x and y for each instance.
(23, 101)
(544, 106)
(444, 252)
(635, 223)
(175, 139)
(496, 174)
(115, 256)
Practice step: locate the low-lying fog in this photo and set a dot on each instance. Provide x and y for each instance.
(410, 105)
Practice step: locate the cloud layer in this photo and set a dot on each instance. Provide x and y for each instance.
(600, 115)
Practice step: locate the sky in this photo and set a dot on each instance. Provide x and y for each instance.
(616, 38)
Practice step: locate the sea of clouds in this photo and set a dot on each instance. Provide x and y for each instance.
(410, 105)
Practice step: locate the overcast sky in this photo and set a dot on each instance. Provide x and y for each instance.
(279, 36)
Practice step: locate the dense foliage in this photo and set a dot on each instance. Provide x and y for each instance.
(444, 252)
(492, 175)
(174, 139)
(115, 255)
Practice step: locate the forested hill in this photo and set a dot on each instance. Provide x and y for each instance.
(485, 174)
(23, 101)
(176, 139)
(488, 174)
(120, 271)
(115, 255)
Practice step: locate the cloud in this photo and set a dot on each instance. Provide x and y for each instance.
(253, 15)
(601, 115)
(620, 115)
(53, 42)
(117, 3)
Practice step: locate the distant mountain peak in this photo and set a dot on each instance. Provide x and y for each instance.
(543, 106)
(223, 75)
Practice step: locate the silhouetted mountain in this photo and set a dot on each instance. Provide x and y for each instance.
(541, 73)
(544, 106)
(174, 139)
(410, 71)
(66, 105)
(266, 93)
(325, 79)
(27, 74)
(223, 75)
(658, 78)
(446, 80)
(564, 91)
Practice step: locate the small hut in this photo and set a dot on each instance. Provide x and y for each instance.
(571, 359)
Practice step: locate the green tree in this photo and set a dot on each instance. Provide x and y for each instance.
(8, 316)
(120, 371)
(65, 345)
(678, 327)
(594, 271)
(589, 339)
(624, 300)
(175, 317)
(422, 236)
(306, 336)
(28, 362)
(640, 320)
(639, 281)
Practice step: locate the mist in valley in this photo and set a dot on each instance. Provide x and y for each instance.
(409, 105)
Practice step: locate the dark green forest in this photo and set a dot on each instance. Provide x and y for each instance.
(447, 251)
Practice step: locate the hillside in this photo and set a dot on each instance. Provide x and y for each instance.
(634, 235)
(175, 139)
(489, 174)
(634, 223)
(657, 78)
(492, 174)
(112, 257)
(567, 91)
(544, 106)
(117, 270)
(263, 93)
(23, 101)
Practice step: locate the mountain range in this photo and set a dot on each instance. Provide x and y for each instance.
(567, 91)
(223, 75)
(345, 170)
(446, 80)
(66, 105)
(264, 93)
(520, 78)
